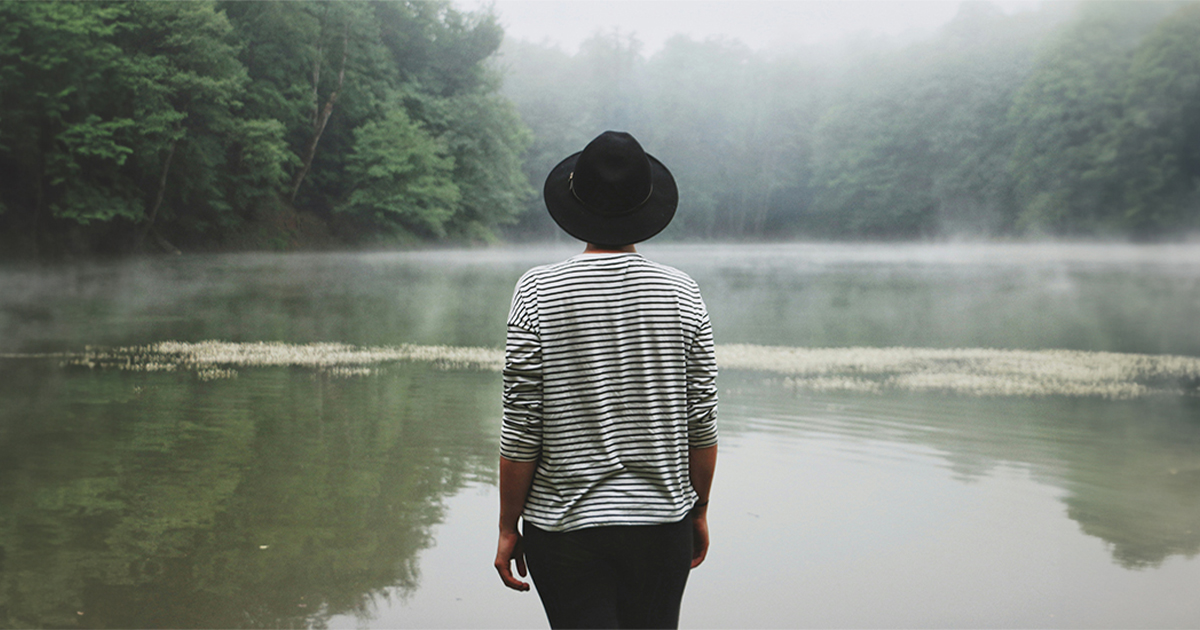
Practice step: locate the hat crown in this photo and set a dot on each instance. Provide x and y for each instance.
(611, 193)
(613, 175)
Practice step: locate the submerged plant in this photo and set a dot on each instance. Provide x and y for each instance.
(967, 371)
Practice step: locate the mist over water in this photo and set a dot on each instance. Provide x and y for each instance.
(1093, 297)
(1120, 298)
(310, 439)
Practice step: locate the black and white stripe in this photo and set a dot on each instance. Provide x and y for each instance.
(609, 378)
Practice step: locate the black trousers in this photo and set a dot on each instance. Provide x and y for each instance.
(611, 577)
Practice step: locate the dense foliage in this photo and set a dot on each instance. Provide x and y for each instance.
(202, 123)
(1078, 120)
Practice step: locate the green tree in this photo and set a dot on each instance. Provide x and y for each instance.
(918, 141)
(1153, 153)
(63, 153)
(401, 177)
(126, 122)
(459, 99)
(980, 61)
(116, 114)
(342, 76)
(186, 84)
(487, 140)
(549, 94)
(1064, 116)
(703, 125)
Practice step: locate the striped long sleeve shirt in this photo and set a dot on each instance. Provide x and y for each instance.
(609, 379)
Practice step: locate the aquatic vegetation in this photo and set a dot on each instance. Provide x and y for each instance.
(971, 371)
(220, 359)
(348, 372)
(966, 371)
(212, 373)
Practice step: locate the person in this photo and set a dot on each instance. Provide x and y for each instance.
(608, 439)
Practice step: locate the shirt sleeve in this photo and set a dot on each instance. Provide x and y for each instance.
(702, 388)
(521, 428)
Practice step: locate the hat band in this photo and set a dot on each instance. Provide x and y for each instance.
(571, 187)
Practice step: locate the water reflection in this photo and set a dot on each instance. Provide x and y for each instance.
(1130, 470)
(275, 500)
(287, 497)
(292, 495)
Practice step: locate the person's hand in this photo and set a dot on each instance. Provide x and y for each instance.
(510, 549)
(699, 539)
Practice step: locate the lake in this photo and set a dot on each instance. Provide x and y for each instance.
(951, 435)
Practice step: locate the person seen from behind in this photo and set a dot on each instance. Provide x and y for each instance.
(609, 438)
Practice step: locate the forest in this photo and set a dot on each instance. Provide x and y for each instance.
(167, 126)
(216, 126)
(1080, 120)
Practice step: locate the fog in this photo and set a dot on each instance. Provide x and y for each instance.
(875, 120)
(756, 23)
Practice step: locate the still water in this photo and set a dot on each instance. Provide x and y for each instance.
(169, 490)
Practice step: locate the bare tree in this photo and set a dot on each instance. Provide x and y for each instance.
(320, 115)
(158, 199)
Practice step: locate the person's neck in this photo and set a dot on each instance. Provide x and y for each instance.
(597, 249)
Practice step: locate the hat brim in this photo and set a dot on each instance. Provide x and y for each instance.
(646, 221)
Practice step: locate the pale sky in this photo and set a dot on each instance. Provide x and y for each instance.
(758, 23)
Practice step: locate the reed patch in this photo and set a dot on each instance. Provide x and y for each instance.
(971, 371)
(966, 371)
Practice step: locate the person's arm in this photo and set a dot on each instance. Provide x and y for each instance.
(520, 434)
(515, 481)
(702, 429)
(702, 462)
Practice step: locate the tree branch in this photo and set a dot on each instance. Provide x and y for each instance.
(158, 198)
(321, 117)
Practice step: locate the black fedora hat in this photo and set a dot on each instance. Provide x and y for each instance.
(612, 192)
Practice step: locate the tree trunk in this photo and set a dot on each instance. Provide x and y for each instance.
(164, 244)
(38, 205)
(39, 201)
(321, 116)
(316, 72)
(158, 199)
